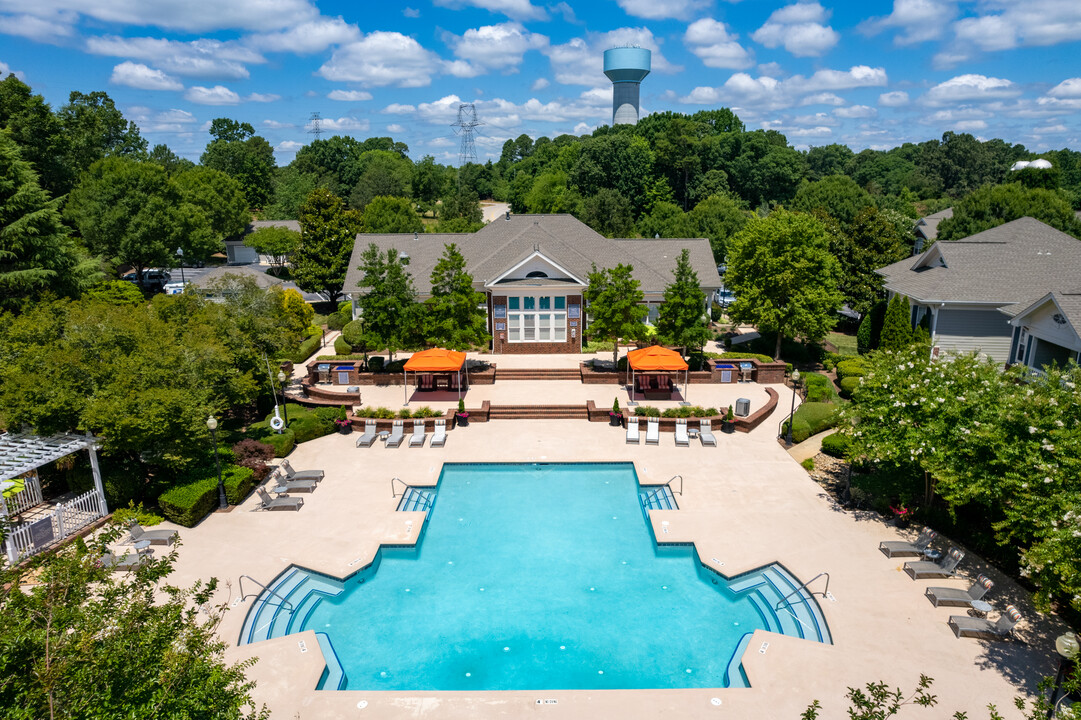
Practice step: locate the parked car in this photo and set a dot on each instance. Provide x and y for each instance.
(175, 288)
(154, 280)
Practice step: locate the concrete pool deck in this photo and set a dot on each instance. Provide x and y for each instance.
(745, 503)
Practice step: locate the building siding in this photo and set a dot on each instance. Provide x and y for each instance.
(981, 331)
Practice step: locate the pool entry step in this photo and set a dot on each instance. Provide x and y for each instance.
(416, 499)
(658, 497)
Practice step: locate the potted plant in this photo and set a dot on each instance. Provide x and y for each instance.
(461, 417)
(728, 425)
(344, 426)
(615, 418)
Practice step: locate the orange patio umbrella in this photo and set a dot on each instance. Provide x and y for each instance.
(433, 360)
(657, 359)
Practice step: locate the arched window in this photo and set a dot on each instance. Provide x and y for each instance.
(537, 274)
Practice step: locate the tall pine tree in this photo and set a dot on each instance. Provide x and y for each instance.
(453, 316)
(682, 319)
(896, 328)
(327, 233)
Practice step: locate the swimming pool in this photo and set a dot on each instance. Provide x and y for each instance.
(534, 576)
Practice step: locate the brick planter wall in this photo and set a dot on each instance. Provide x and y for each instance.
(359, 377)
(758, 417)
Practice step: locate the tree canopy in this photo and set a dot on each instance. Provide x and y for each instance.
(388, 306)
(454, 314)
(276, 243)
(784, 276)
(682, 319)
(327, 233)
(390, 215)
(994, 205)
(238, 152)
(616, 306)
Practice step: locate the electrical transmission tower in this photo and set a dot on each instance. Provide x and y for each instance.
(316, 125)
(463, 127)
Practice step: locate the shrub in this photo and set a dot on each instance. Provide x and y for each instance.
(375, 363)
(856, 367)
(621, 363)
(830, 360)
(394, 367)
(383, 413)
(404, 413)
(819, 388)
(836, 445)
(647, 411)
(238, 481)
(808, 464)
(426, 412)
(849, 385)
(254, 454)
(306, 349)
(353, 333)
(136, 512)
(598, 346)
(341, 347)
(283, 444)
(189, 503)
(311, 427)
(810, 419)
(746, 356)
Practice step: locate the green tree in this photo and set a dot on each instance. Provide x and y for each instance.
(608, 213)
(784, 276)
(622, 162)
(616, 305)
(37, 252)
(837, 195)
(427, 181)
(160, 154)
(897, 327)
(550, 194)
(276, 243)
(995, 205)
(238, 152)
(382, 174)
(392, 319)
(132, 214)
(390, 215)
(461, 204)
(827, 160)
(82, 641)
(221, 199)
(873, 240)
(291, 187)
(454, 317)
(96, 129)
(327, 234)
(718, 218)
(666, 220)
(682, 319)
(38, 133)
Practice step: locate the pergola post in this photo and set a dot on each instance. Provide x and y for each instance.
(95, 470)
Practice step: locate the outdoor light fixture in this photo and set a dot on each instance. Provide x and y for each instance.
(281, 384)
(792, 412)
(1067, 647)
(212, 426)
(180, 254)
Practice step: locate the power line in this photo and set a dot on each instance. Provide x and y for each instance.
(463, 127)
(316, 127)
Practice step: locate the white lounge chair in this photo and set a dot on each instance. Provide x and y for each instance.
(681, 433)
(918, 569)
(965, 626)
(439, 436)
(633, 436)
(419, 433)
(283, 502)
(958, 597)
(653, 431)
(896, 548)
(369, 435)
(397, 434)
(154, 537)
(705, 434)
(292, 474)
(282, 484)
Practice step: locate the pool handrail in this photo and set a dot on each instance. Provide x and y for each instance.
(240, 586)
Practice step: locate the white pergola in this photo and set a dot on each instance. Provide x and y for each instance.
(22, 453)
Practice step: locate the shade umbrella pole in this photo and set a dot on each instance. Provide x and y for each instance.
(686, 381)
(405, 386)
(459, 383)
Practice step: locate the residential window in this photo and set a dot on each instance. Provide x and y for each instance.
(514, 328)
(545, 303)
(529, 303)
(512, 303)
(529, 328)
(561, 303)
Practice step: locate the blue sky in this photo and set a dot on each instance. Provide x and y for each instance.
(866, 74)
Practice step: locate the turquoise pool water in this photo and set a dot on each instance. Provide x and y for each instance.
(531, 577)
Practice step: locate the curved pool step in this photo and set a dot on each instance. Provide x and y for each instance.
(286, 604)
(791, 613)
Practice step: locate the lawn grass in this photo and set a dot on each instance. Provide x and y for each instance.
(845, 344)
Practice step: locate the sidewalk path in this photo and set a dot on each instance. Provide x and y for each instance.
(809, 447)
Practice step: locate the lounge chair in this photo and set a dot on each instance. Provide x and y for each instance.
(155, 537)
(127, 561)
(958, 597)
(633, 436)
(896, 548)
(396, 434)
(919, 569)
(439, 435)
(282, 502)
(369, 435)
(282, 484)
(427, 383)
(681, 433)
(419, 433)
(292, 474)
(664, 383)
(642, 381)
(705, 434)
(965, 626)
(653, 431)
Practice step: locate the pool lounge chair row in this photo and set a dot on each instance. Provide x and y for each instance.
(962, 625)
(397, 434)
(653, 432)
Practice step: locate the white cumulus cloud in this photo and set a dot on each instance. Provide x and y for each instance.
(343, 124)
(970, 88)
(800, 29)
(662, 9)
(539, 84)
(496, 47)
(915, 20)
(198, 58)
(715, 46)
(579, 61)
(140, 76)
(262, 97)
(349, 95)
(856, 111)
(1070, 88)
(217, 95)
(307, 38)
(767, 93)
(380, 59)
(515, 9)
(897, 98)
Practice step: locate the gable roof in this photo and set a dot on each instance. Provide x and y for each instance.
(1011, 266)
(927, 227)
(1067, 303)
(562, 239)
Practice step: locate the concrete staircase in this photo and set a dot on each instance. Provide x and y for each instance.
(538, 374)
(538, 412)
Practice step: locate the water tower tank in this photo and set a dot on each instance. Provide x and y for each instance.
(626, 67)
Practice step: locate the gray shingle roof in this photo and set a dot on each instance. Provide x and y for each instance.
(293, 225)
(1012, 265)
(261, 278)
(563, 239)
(927, 227)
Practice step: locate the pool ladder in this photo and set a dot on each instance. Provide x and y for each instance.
(787, 606)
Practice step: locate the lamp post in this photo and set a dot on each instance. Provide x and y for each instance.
(180, 254)
(212, 425)
(792, 412)
(281, 385)
(1067, 647)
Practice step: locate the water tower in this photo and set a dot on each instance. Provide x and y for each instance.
(626, 67)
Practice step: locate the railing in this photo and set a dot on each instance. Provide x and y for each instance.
(243, 595)
(393, 492)
(798, 389)
(674, 491)
(67, 518)
(25, 499)
(78, 513)
(788, 606)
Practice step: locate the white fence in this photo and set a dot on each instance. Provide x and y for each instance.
(26, 498)
(33, 537)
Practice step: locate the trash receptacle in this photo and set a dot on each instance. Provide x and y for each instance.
(743, 407)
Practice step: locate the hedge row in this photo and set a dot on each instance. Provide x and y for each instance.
(810, 419)
(743, 356)
(341, 347)
(849, 385)
(819, 388)
(306, 348)
(695, 411)
(238, 481)
(189, 503)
